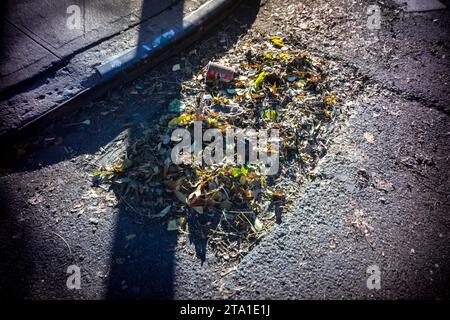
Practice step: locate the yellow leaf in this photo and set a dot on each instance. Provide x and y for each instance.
(235, 172)
(301, 95)
(268, 56)
(259, 80)
(263, 182)
(270, 115)
(330, 100)
(276, 40)
(305, 157)
(301, 84)
(212, 122)
(182, 119)
(118, 169)
(181, 221)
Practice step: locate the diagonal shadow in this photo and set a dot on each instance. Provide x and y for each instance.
(144, 267)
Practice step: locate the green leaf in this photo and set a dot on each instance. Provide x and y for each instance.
(270, 115)
(99, 173)
(259, 80)
(235, 172)
(183, 119)
(301, 84)
(268, 56)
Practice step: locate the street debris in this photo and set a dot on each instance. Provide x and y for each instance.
(369, 137)
(36, 199)
(176, 67)
(361, 225)
(265, 83)
(362, 178)
(93, 220)
(381, 184)
(215, 71)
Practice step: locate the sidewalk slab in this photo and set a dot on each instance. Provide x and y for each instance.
(421, 5)
(64, 68)
(22, 57)
(46, 24)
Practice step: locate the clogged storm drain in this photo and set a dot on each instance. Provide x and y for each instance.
(195, 177)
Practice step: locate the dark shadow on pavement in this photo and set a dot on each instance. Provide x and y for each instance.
(149, 270)
(15, 267)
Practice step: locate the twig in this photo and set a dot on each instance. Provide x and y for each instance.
(226, 233)
(67, 244)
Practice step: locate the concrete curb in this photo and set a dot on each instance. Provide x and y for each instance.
(133, 62)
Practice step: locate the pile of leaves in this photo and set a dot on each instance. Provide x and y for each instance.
(275, 86)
